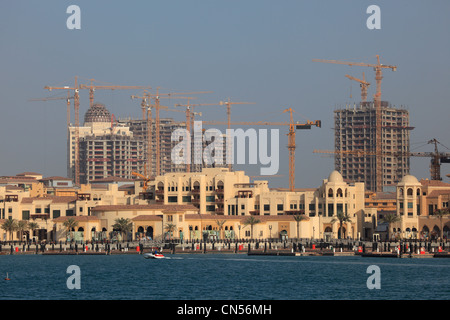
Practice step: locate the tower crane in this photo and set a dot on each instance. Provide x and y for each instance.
(68, 98)
(146, 100)
(377, 100)
(228, 104)
(291, 134)
(76, 103)
(363, 84)
(436, 157)
(93, 87)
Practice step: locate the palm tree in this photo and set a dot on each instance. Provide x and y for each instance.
(170, 228)
(123, 225)
(22, 225)
(220, 223)
(441, 213)
(299, 218)
(341, 217)
(32, 226)
(251, 221)
(390, 218)
(10, 225)
(70, 224)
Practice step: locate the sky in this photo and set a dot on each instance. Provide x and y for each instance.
(257, 51)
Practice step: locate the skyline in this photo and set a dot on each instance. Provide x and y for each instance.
(256, 51)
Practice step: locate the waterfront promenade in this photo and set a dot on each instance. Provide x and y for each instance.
(292, 247)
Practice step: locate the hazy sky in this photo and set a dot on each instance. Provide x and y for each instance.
(257, 51)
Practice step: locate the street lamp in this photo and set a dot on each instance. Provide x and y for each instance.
(270, 231)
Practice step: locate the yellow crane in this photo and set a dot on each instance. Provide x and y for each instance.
(76, 103)
(378, 67)
(293, 126)
(363, 84)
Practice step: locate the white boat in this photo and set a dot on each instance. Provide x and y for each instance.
(151, 255)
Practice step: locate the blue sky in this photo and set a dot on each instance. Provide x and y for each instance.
(257, 51)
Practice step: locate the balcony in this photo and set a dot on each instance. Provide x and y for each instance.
(219, 190)
(159, 191)
(219, 210)
(196, 190)
(219, 200)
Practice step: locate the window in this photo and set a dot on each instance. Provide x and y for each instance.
(25, 215)
(210, 198)
(37, 210)
(172, 199)
(186, 198)
(69, 213)
(56, 214)
(267, 207)
(280, 207)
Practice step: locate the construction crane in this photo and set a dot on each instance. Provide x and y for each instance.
(68, 98)
(363, 84)
(228, 104)
(377, 100)
(93, 87)
(436, 157)
(146, 98)
(291, 134)
(76, 103)
(146, 179)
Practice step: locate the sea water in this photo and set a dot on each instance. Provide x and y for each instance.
(221, 277)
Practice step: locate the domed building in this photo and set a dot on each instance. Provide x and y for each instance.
(105, 147)
(97, 113)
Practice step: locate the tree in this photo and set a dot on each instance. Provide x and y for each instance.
(22, 225)
(123, 225)
(299, 218)
(390, 219)
(33, 226)
(341, 217)
(10, 225)
(251, 221)
(220, 223)
(70, 224)
(441, 213)
(170, 228)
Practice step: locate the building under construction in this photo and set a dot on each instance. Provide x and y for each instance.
(355, 144)
(110, 147)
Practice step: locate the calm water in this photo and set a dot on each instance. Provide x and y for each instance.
(222, 277)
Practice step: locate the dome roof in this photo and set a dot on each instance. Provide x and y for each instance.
(97, 113)
(335, 176)
(409, 179)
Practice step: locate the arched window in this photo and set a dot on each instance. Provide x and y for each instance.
(339, 193)
(410, 192)
(401, 192)
(330, 193)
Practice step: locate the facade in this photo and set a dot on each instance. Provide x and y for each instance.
(217, 203)
(355, 130)
(106, 149)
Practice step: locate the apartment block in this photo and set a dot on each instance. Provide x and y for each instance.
(355, 144)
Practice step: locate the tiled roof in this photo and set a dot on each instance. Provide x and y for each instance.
(437, 193)
(55, 178)
(435, 183)
(161, 207)
(77, 218)
(147, 217)
(239, 218)
(53, 199)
